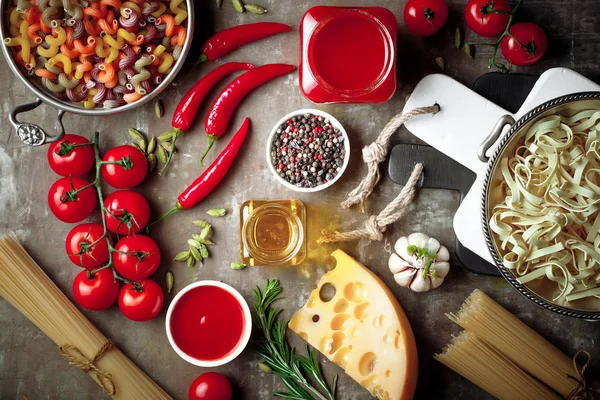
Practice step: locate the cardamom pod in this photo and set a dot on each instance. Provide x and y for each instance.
(205, 232)
(165, 137)
(137, 146)
(195, 253)
(200, 223)
(217, 212)
(159, 110)
(151, 162)
(168, 147)
(170, 280)
(203, 251)
(440, 63)
(470, 50)
(136, 135)
(194, 243)
(255, 8)
(458, 37)
(238, 5)
(163, 156)
(241, 265)
(184, 255)
(191, 262)
(151, 145)
(207, 242)
(202, 240)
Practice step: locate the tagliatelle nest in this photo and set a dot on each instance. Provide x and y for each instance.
(549, 220)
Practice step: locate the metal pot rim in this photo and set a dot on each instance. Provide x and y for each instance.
(48, 99)
(499, 150)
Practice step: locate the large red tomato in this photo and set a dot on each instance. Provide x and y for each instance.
(481, 18)
(142, 303)
(129, 168)
(527, 45)
(210, 386)
(425, 17)
(86, 247)
(96, 292)
(68, 206)
(72, 155)
(136, 257)
(127, 212)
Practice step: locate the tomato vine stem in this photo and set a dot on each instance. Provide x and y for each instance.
(97, 184)
(496, 45)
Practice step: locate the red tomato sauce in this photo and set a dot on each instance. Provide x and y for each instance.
(349, 52)
(207, 323)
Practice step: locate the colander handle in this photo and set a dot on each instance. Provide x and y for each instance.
(489, 141)
(32, 134)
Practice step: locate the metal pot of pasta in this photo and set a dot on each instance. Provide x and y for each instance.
(92, 57)
(541, 203)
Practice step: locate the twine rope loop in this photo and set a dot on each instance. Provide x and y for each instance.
(78, 359)
(582, 391)
(375, 153)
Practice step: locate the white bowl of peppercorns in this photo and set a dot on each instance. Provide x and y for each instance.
(308, 150)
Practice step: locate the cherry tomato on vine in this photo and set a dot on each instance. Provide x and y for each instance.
(127, 212)
(130, 170)
(141, 304)
(425, 17)
(210, 386)
(481, 18)
(67, 157)
(96, 292)
(68, 206)
(527, 45)
(136, 257)
(85, 247)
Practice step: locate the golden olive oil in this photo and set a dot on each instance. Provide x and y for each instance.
(273, 232)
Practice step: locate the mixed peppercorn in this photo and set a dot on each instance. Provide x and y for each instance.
(308, 151)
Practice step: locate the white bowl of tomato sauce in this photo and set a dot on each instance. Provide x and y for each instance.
(208, 323)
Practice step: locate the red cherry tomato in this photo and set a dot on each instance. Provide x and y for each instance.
(67, 206)
(425, 17)
(143, 304)
(210, 386)
(136, 257)
(84, 247)
(132, 170)
(481, 18)
(67, 158)
(96, 292)
(529, 47)
(128, 212)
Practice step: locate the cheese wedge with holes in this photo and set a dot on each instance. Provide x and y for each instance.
(362, 329)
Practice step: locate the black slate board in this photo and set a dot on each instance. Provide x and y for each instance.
(509, 91)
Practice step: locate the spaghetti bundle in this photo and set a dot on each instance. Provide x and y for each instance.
(491, 322)
(487, 368)
(24, 285)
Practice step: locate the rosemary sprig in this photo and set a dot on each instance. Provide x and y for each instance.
(280, 356)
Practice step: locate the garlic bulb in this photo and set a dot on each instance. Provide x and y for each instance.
(419, 262)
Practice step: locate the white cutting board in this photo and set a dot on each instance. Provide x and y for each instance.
(465, 119)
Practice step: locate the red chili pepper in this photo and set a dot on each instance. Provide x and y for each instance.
(226, 41)
(220, 113)
(186, 110)
(211, 177)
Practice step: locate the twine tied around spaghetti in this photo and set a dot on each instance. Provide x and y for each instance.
(373, 155)
(78, 359)
(582, 391)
